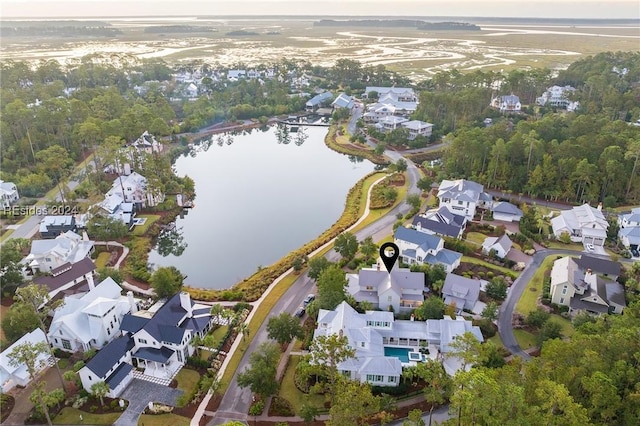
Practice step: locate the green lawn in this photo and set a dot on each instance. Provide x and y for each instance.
(169, 419)
(496, 340)
(476, 238)
(533, 291)
(71, 416)
(219, 333)
(525, 339)
(187, 379)
(562, 246)
(142, 229)
(102, 259)
(567, 327)
(290, 392)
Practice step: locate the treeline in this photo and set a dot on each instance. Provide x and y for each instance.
(242, 33)
(57, 28)
(398, 23)
(590, 155)
(157, 29)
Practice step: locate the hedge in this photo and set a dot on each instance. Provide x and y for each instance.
(330, 141)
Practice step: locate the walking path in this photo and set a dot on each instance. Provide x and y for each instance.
(223, 414)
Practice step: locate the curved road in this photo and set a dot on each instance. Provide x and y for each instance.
(236, 401)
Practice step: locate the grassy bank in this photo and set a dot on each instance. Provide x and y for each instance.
(331, 141)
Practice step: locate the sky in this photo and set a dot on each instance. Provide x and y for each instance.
(479, 8)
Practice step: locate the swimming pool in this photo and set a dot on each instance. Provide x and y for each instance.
(401, 353)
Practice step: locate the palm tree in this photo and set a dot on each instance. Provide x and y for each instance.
(243, 328)
(100, 390)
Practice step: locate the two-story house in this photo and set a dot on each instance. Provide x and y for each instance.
(507, 103)
(418, 128)
(52, 226)
(46, 255)
(558, 97)
(318, 100)
(8, 194)
(583, 223)
(134, 188)
(629, 233)
(400, 289)
(158, 341)
(420, 247)
(69, 278)
(463, 197)
(581, 288)
(90, 321)
(343, 101)
(460, 291)
(384, 346)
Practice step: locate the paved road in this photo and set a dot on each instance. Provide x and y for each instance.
(236, 401)
(439, 416)
(505, 326)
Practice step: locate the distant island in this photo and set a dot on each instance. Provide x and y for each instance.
(68, 28)
(242, 33)
(156, 29)
(398, 23)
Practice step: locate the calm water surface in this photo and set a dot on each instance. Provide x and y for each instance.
(257, 199)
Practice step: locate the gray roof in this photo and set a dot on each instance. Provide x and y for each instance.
(578, 304)
(118, 375)
(426, 241)
(632, 234)
(132, 323)
(66, 273)
(615, 293)
(598, 265)
(154, 354)
(437, 227)
(164, 325)
(318, 99)
(343, 101)
(461, 287)
(510, 99)
(461, 189)
(507, 208)
(399, 279)
(110, 354)
(444, 215)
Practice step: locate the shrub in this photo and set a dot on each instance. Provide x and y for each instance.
(114, 404)
(256, 408)
(93, 408)
(241, 306)
(280, 407)
(197, 362)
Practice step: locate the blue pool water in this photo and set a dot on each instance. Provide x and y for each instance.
(401, 353)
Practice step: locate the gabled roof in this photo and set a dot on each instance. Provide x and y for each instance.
(343, 101)
(502, 242)
(104, 360)
(133, 323)
(71, 273)
(398, 279)
(444, 215)
(444, 256)
(461, 287)
(461, 190)
(118, 375)
(425, 241)
(437, 227)
(155, 354)
(416, 124)
(598, 265)
(35, 336)
(632, 234)
(615, 293)
(507, 208)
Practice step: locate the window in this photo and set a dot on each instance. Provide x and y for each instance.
(370, 377)
(564, 290)
(56, 340)
(114, 319)
(369, 288)
(390, 299)
(562, 300)
(66, 344)
(386, 324)
(392, 379)
(108, 332)
(142, 341)
(111, 323)
(179, 356)
(379, 378)
(362, 344)
(460, 203)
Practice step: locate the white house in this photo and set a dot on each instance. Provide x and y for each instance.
(463, 196)
(508, 103)
(630, 220)
(583, 223)
(235, 75)
(134, 189)
(583, 289)
(389, 123)
(629, 233)
(8, 194)
(17, 375)
(318, 100)
(558, 97)
(148, 143)
(419, 247)
(90, 321)
(461, 291)
(69, 278)
(343, 101)
(500, 245)
(400, 101)
(116, 208)
(418, 128)
(401, 289)
(506, 211)
(157, 341)
(384, 346)
(46, 255)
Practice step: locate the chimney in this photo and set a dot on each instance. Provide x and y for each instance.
(413, 318)
(89, 277)
(132, 302)
(185, 302)
(378, 265)
(600, 207)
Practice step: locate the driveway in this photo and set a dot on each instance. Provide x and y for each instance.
(139, 393)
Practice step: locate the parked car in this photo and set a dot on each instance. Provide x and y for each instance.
(310, 298)
(300, 312)
(590, 247)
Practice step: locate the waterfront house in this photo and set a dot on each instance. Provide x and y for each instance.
(134, 188)
(343, 101)
(92, 320)
(318, 100)
(157, 341)
(46, 255)
(399, 290)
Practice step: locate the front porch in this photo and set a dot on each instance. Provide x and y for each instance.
(157, 363)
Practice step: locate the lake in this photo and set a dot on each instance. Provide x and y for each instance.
(259, 195)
